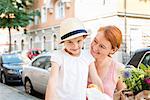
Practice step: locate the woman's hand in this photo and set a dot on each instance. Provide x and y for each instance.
(119, 95)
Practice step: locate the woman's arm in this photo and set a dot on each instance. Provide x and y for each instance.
(118, 95)
(94, 77)
(51, 87)
(120, 85)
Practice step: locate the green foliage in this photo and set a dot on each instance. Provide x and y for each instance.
(16, 14)
(136, 79)
(144, 67)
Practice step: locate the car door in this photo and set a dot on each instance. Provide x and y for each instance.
(40, 74)
(45, 74)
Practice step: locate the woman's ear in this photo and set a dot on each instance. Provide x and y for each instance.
(113, 51)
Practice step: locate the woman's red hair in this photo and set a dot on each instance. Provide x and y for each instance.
(112, 34)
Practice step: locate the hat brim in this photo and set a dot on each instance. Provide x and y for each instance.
(73, 36)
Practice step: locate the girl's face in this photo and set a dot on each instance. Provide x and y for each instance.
(74, 46)
(101, 47)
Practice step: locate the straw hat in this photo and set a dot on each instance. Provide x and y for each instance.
(71, 28)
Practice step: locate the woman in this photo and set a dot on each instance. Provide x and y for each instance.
(104, 45)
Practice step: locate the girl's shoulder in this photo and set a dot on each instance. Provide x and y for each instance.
(56, 56)
(87, 55)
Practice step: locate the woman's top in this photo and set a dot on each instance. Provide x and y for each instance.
(110, 81)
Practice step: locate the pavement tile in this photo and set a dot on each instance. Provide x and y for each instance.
(9, 93)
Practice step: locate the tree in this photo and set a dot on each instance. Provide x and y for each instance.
(15, 14)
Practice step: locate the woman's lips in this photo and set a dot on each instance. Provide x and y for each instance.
(95, 52)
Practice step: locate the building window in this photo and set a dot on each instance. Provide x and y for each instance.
(44, 43)
(31, 43)
(30, 21)
(37, 18)
(60, 10)
(43, 14)
(55, 47)
(135, 38)
(22, 44)
(15, 45)
(106, 2)
(145, 0)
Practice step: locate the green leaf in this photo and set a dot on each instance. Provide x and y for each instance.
(15, 14)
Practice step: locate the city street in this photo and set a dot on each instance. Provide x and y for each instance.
(21, 88)
(14, 93)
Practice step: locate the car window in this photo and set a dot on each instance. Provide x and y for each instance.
(11, 58)
(47, 63)
(39, 61)
(146, 61)
(135, 59)
(36, 52)
(42, 62)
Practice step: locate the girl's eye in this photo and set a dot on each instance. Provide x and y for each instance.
(69, 42)
(79, 41)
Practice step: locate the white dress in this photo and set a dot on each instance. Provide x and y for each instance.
(73, 75)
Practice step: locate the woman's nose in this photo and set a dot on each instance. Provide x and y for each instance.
(95, 47)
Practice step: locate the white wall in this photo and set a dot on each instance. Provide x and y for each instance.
(92, 9)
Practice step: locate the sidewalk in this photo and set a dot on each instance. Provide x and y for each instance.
(9, 93)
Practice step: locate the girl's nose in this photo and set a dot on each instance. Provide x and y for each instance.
(75, 44)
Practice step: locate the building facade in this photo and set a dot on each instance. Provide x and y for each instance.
(131, 16)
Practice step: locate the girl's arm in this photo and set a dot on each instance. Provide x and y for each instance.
(51, 87)
(94, 77)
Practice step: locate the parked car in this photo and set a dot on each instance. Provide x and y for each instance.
(23, 54)
(33, 52)
(35, 74)
(10, 68)
(140, 58)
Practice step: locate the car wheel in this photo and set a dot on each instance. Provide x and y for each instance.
(3, 79)
(28, 87)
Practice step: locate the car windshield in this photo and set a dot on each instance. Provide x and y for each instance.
(11, 59)
(135, 59)
(36, 52)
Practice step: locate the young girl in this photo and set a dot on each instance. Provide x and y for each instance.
(71, 66)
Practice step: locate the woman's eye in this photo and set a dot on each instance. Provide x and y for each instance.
(101, 46)
(95, 41)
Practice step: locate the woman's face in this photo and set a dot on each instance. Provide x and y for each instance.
(100, 46)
